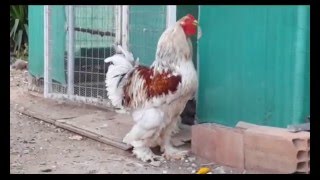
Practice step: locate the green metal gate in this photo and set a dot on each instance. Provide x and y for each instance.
(254, 65)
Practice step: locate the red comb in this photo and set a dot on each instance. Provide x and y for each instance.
(190, 16)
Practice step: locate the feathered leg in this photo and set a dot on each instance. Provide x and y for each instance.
(171, 152)
(141, 151)
(176, 128)
(140, 147)
(143, 132)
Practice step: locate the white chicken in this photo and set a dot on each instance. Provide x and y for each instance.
(155, 96)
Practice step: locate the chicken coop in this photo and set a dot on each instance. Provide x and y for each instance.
(252, 61)
(68, 45)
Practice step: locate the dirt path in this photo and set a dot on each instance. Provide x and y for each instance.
(39, 147)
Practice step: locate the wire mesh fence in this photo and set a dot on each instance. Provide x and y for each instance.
(94, 36)
(94, 30)
(145, 27)
(79, 38)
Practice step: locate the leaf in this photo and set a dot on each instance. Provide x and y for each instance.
(15, 12)
(18, 41)
(21, 10)
(26, 29)
(14, 28)
(18, 27)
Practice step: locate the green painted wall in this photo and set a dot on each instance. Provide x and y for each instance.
(146, 24)
(254, 65)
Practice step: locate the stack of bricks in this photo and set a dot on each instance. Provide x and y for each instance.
(253, 147)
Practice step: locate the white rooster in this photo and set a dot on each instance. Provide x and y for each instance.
(155, 96)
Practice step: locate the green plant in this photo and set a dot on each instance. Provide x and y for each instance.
(18, 28)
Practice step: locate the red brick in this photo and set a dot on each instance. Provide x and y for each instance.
(276, 150)
(219, 144)
(245, 125)
(202, 142)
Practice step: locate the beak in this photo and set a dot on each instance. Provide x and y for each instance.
(195, 22)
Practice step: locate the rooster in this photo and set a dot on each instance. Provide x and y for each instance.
(155, 96)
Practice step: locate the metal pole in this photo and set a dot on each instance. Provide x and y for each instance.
(171, 15)
(47, 78)
(118, 23)
(70, 50)
(125, 26)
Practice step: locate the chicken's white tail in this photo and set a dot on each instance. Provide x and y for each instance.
(121, 65)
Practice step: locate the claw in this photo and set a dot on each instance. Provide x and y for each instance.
(146, 155)
(175, 154)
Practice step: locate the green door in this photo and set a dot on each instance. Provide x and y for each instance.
(254, 65)
(36, 42)
(146, 24)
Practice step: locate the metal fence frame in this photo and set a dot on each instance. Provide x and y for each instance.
(122, 37)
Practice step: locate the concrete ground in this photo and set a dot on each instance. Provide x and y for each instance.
(39, 147)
